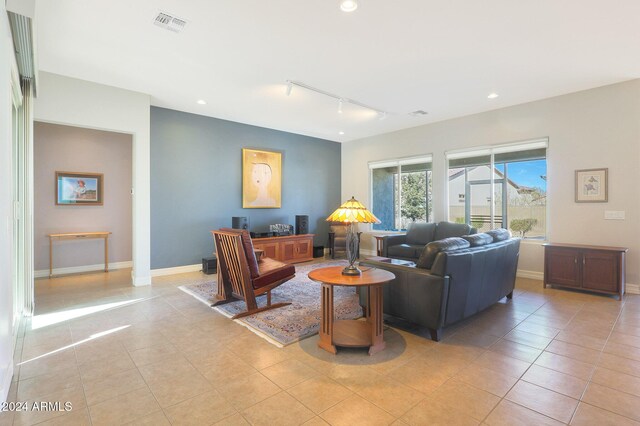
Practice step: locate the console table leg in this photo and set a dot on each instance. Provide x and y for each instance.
(106, 254)
(326, 326)
(50, 257)
(374, 318)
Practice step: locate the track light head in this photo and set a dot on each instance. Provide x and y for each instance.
(289, 87)
(340, 106)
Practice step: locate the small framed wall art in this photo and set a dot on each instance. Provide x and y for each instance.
(73, 188)
(261, 179)
(591, 186)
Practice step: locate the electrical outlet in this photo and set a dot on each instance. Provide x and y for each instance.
(614, 215)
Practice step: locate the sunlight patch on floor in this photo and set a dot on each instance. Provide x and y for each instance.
(92, 337)
(45, 320)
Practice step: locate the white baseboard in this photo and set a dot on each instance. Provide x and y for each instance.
(632, 288)
(176, 270)
(86, 268)
(367, 253)
(6, 381)
(534, 275)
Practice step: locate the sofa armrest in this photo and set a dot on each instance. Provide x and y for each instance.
(392, 240)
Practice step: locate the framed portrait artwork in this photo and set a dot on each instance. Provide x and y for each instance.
(591, 186)
(73, 188)
(261, 179)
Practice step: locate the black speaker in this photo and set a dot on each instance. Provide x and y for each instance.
(240, 222)
(302, 224)
(209, 265)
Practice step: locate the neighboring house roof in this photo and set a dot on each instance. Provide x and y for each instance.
(455, 173)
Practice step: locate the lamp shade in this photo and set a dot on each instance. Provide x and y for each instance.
(352, 211)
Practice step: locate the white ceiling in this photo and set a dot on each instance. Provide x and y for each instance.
(444, 57)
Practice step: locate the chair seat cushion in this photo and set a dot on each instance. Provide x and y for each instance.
(405, 250)
(271, 271)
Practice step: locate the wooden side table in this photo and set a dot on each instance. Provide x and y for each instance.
(77, 236)
(352, 333)
(379, 244)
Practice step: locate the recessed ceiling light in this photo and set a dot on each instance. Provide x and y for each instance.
(348, 5)
(341, 133)
(492, 95)
(201, 102)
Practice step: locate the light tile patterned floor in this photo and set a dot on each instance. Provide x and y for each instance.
(154, 355)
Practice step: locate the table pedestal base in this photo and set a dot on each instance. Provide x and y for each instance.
(352, 333)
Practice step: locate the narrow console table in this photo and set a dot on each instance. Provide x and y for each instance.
(351, 333)
(289, 248)
(595, 268)
(79, 236)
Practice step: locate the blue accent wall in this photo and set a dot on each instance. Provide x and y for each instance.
(196, 182)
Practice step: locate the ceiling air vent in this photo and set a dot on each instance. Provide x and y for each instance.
(418, 113)
(170, 22)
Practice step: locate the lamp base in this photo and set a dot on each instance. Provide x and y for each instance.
(351, 270)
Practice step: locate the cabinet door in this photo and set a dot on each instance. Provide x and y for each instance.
(600, 270)
(304, 248)
(561, 266)
(270, 249)
(288, 250)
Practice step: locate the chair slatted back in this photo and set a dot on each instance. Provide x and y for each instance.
(233, 262)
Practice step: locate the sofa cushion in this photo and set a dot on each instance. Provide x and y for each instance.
(499, 234)
(432, 249)
(405, 251)
(449, 229)
(420, 233)
(478, 239)
(271, 271)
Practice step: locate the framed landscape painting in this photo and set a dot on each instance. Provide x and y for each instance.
(261, 179)
(591, 186)
(74, 188)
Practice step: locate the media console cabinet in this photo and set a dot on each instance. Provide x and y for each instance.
(594, 268)
(289, 248)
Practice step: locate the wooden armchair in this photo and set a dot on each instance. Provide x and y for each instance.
(338, 239)
(241, 276)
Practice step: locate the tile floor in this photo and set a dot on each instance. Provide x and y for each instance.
(154, 355)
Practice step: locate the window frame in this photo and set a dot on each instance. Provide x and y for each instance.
(398, 163)
(492, 151)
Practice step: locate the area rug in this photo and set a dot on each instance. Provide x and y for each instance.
(289, 324)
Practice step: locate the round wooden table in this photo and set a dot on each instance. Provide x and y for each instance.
(352, 333)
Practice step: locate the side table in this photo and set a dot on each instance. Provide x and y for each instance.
(379, 243)
(352, 333)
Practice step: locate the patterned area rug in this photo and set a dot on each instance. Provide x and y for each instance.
(289, 324)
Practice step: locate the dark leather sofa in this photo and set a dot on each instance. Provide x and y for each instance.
(452, 280)
(410, 245)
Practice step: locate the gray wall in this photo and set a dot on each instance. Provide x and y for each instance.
(196, 182)
(74, 149)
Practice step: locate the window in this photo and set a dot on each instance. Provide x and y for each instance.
(401, 192)
(503, 186)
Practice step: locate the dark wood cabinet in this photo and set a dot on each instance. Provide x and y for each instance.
(290, 249)
(594, 268)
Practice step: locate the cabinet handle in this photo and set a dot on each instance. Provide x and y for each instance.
(575, 260)
(584, 261)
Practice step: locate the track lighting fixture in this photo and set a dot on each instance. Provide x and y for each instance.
(341, 100)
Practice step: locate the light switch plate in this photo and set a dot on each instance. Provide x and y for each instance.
(614, 215)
